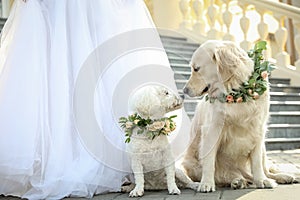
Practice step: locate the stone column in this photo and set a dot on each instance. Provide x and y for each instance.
(166, 14)
(6, 4)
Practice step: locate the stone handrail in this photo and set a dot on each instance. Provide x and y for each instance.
(219, 21)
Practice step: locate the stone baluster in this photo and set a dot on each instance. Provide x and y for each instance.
(245, 24)
(263, 28)
(199, 26)
(227, 19)
(297, 44)
(263, 31)
(282, 58)
(212, 15)
(186, 14)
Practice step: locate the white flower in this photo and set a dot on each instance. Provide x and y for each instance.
(158, 125)
(128, 125)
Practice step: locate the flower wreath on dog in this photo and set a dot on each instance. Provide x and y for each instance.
(151, 128)
(257, 83)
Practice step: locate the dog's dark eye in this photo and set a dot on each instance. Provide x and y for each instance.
(166, 93)
(196, 68)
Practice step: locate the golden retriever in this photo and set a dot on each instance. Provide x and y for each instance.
(228, 148)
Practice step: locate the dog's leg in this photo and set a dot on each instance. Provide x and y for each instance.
(172, 187)
(259, 177)
(207, 183)
(185, 180)
(137, 169)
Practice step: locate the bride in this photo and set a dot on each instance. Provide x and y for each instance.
(66, 71)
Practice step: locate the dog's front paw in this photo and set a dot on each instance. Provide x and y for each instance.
(174, 190)
(265, 183)
(127, 188)
(193, 185)
(239, 183)
(136, 192)
(206, 187)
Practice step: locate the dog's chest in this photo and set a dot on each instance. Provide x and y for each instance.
(151, 153)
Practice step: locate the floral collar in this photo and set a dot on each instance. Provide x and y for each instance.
(257, 83)
(151, 128)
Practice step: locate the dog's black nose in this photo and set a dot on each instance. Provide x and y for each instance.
(182, 96)
(185, 90)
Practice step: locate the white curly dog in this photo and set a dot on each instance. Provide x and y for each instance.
(228, 148)
(152, 161)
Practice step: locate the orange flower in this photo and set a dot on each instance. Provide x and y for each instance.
(229, 99)
(239, 100)
(264, 75)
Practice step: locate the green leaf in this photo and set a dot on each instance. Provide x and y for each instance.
(173, 116)
(261, 45)
(206, 98)
(271, 67)
(251, 81)
(127, 140)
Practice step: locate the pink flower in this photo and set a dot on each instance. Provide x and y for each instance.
(264, 75)
(239, 100)
(255, 95)
(229, 99)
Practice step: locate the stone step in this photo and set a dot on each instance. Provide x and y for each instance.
(282, 143)
(182, 67)
(285, 81)
(172, 47)
(178, 42)
(285, 106)
(285, 117)
(179, 60)
(172, 38)
(285, 88)
(282, 96)
(182, 76)
(283, 131)
(179, 53)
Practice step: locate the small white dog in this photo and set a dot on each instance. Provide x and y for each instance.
(228, 147)
(151, 157)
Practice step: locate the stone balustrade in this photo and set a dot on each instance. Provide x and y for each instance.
(244, 21)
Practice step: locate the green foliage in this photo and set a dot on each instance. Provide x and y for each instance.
(151, 128)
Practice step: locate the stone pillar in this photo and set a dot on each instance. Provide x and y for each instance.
(166, 14)
(6, 5)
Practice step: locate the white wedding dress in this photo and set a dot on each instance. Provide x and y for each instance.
(56, 57)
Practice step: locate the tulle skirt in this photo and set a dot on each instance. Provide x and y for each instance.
(67, 69)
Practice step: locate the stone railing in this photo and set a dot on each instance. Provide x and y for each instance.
(220, 20)
(243, 21)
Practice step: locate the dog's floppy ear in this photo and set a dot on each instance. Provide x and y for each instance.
(232, 61)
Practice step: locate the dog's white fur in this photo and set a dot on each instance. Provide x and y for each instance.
(228, 146)
(152, 160)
